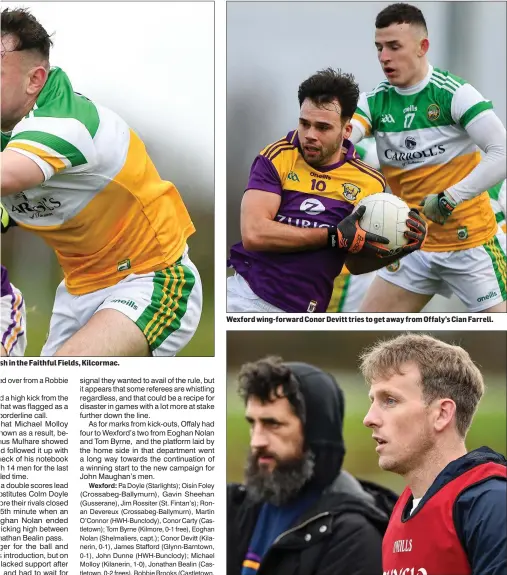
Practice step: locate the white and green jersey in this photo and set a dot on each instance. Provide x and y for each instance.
(102, 206)
(423, 148)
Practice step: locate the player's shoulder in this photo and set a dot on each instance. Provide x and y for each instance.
(445, 85)
(286, 145)
(379, 91)
(447, 79)
(59, 106)
(366, 172)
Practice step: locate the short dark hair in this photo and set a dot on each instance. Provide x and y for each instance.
(400, 13)
(263, 379)
(30, 34)
(328, 85)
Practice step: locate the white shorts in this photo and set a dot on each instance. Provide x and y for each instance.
(477, 275)
(166, 306)
(13, 323)
(349, 291)
(240, 298)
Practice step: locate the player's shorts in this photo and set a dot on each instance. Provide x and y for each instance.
(349, 291)
(477, 275)
(166, 306)
(241, 298)
(13, 323)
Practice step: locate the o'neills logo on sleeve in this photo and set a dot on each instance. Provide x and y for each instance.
(402, 546)
(407, 571)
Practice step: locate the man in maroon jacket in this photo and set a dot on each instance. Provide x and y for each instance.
(451, 517)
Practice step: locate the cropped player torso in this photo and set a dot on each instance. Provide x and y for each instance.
(303, 281)
(422, 150)
(103, 207)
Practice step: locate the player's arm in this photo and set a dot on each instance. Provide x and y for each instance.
(18, 173)
(361, 121)
(476, 116)
(357, 264)
(260, 232)
(480, 524)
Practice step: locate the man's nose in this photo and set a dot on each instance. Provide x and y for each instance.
(258, 438)
(372, 419)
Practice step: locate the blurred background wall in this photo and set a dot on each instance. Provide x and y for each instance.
(337, 353)
(153, 64)
(273, 46)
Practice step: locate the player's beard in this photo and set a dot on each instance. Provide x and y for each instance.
(283, 483)
(325, 155)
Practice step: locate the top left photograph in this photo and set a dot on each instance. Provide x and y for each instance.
(107, 178)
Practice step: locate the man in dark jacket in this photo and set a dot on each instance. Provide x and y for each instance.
(298, 512)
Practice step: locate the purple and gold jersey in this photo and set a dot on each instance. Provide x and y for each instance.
(310, 198)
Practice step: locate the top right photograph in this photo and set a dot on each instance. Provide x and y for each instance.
(366, 157)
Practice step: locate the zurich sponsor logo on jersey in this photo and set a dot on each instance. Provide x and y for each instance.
(312, 206)
(410, 142)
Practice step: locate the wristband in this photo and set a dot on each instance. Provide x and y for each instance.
(332, 237)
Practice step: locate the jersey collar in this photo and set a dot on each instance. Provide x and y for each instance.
(418, 87)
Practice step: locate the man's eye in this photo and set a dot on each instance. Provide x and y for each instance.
(390, 401)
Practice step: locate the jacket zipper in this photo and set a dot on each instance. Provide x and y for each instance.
(311, 520)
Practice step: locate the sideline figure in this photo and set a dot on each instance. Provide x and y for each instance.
(451, 517)
(297, 225)
(77, 176)
(299, 511)
(430, 126)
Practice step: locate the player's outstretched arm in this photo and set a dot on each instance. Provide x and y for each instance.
(358, 264)
(260, 232)
(19, 173)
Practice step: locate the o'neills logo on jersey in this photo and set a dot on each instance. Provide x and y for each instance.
(43, 208)
(402, 546)
(413, 157)
(407, 571)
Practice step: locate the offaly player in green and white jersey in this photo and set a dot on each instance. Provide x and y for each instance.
(429, 126)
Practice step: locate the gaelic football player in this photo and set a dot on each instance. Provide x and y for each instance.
(429, 126)
(297, 224)
(77, 176)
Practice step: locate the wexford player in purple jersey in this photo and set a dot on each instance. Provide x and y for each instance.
(297, 225)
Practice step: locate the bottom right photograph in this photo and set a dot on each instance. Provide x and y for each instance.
(365, 453)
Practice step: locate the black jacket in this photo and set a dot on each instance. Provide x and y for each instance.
(340, 535)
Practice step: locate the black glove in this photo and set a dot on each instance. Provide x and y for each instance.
(348, 236)
(416, 234)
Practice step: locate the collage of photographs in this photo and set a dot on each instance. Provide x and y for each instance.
(342, 157)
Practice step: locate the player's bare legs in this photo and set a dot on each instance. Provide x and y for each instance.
(108, 333)
(3, 353)
(385, 297)
(498, 308)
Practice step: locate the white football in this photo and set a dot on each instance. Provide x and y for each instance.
(385, 215)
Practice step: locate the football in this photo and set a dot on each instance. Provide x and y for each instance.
(385, 215)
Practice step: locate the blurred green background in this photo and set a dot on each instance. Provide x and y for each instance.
(337, 352)
(33, 269)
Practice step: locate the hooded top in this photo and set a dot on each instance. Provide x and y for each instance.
(323, 425)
